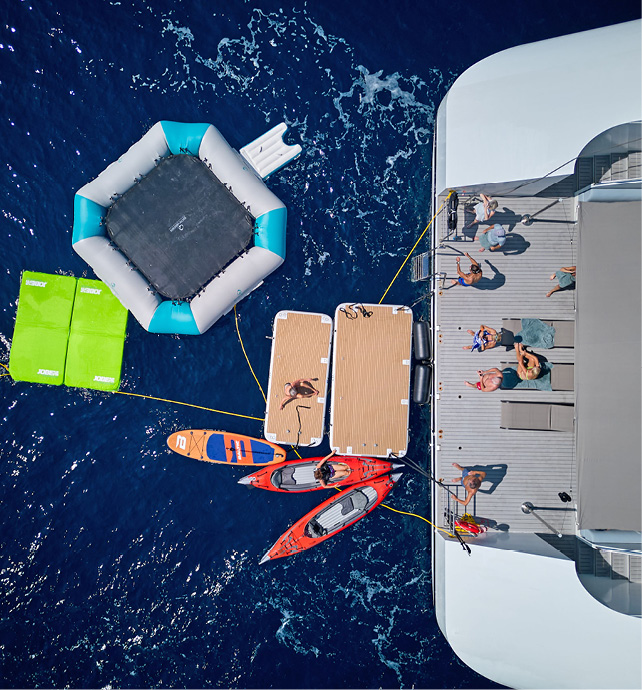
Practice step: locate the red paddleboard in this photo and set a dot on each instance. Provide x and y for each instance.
(220, 446)
(331, 517)
(295, 476)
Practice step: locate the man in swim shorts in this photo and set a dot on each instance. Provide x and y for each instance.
(489, 380)
(467, 279)
(471, 481)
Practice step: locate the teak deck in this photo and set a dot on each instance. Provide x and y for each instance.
(300, 350)
(371, 380)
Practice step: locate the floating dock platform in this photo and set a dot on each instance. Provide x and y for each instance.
(371, 380)
(300, 350)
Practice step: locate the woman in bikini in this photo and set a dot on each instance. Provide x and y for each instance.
(471, 481)
(489, 380)
(528, 366)
(485, 339)
(330, 471)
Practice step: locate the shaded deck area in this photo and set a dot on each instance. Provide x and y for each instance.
(521, 465)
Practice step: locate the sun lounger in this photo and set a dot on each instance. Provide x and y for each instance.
(562, 378)
(564, 331)
(537, 416)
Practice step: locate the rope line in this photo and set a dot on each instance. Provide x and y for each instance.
(415, 246)
(247, 359)
(178, 402)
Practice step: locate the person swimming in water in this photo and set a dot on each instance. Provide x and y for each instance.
(485, 339)
(489, 380)
(528, 365)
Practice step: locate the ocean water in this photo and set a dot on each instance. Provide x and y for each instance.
(122, 564)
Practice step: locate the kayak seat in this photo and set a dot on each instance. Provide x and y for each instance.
(287, 477)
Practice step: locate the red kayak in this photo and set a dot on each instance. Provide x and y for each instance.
(340, 511)
(298, 475)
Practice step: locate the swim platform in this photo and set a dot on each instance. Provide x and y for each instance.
(300, 349)
(369, 413)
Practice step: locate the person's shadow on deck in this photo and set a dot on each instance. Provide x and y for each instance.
(494, 474)
(515, 244)
(493, 283)
(509, 219)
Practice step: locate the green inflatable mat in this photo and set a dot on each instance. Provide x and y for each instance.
(96, 339)
(39, 345)
(68, 331)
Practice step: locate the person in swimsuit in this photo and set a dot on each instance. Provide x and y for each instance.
(489, 380)
(301, 388)
(485, 339)
(565, 278)
(484, 210)
(330, 471)
(528, 366)
(471, 480)
(468, 278)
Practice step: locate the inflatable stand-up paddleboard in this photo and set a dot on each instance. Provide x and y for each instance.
(341, 510)
(298, 475)
(223, 447)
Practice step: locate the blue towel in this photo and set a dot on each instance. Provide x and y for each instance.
(541, 383)
(536, 333)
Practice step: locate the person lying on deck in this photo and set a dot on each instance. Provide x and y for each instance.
(528, 366)
(485, 339)
(489, 380)
(468, 278)
(471, 480)
(301, 388)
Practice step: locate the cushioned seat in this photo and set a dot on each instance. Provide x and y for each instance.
(564, 331)
(537, 416)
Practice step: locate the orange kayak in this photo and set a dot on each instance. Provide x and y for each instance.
(220, 446)
(340, 511)
(295, 476)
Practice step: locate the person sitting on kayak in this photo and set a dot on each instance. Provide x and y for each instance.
(301, 388)
(330, 472)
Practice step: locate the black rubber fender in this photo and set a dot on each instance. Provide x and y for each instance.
(422, 383)
(421, 337)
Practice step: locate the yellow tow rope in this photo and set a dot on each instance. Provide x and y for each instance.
(415, 246)
(173, 402)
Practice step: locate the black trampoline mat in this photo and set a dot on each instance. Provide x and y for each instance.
(180, 226)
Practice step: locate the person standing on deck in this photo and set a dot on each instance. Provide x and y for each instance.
(468, 278)
(471, 480)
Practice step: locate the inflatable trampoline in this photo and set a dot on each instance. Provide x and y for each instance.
(182, 227)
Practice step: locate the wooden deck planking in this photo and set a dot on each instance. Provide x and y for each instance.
(531, 465)
(300, 349)
(371, 381)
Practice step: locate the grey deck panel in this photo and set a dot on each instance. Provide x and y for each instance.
(538, 464)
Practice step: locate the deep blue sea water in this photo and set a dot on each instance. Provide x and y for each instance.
(122, 564)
